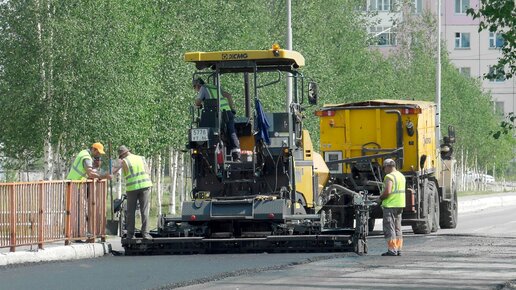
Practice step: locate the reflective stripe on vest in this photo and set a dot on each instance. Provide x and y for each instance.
(78, 172)
(212, 92)
(397, 196)
(136, 177)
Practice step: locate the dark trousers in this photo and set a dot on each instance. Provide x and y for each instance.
(142, 196)
(229, 120)
(392, 228)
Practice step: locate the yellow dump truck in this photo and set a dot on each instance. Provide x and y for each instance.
(355, 138)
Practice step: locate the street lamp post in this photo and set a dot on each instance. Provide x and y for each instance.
(289, 47)
(438, 81)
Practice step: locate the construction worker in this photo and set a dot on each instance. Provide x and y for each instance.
(138, 186)
(97, 164)
(82, 167)
(393, 202)
(207, 91)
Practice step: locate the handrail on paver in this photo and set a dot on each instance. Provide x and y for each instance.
(48, 211)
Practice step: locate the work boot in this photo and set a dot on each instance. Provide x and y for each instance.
(147, 237)
(128, 236)
(389, 253)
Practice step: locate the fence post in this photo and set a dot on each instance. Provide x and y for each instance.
(68, 212)
(103, 198)
(40, 216)
(12, 218)
(92, 212)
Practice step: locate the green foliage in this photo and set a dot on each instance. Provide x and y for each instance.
(114, 70)
(506, 125)
(500, 16)
(20, 85)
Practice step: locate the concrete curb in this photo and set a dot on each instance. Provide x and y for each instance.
(481, 203)
(60, 253)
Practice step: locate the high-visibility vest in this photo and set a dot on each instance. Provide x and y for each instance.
(212, 92)
(78, 171)
(397, 196)
(135, 176)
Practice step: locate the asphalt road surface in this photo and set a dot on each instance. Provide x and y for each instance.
(479, 254)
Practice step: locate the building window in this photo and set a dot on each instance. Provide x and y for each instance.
(462, 40)
(383, 36)
(496, 75)
(461, 6)
(465, 71)
(495, 40)
(498, 108)
(380, 5)
(417, 6)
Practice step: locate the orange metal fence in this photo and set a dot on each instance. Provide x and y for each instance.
(47, 211)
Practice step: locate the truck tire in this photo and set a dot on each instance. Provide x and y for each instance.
(370, 224)
(449, 212)
(425, 227)
(436, 216)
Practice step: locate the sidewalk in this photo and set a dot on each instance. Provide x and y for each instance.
(59, 252)
(473, 203)
(54, 252)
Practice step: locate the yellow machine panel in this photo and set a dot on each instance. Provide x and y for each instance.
(305, 171)
(276, 56)
(321, 171)
(379, 127)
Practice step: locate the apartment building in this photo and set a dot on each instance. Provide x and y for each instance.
(473, 53)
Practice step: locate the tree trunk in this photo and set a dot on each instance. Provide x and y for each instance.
(48, 173)
(162, 174)
(172, 198)
(57, 162)
(158, 182)
(182, 177)
(174, 179)
(46, 73)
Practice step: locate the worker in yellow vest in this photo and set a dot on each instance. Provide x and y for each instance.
(137, 186)
(207, 91)
(82, 166)
(393, 202)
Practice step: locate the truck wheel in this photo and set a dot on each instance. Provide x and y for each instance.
(425, 227)
(449, 212)
(435, 222)
(370, 224)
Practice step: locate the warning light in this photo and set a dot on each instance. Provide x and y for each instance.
(324, 113)
(275, 49)
(193, 218)
(270, 216)
(409, 111)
